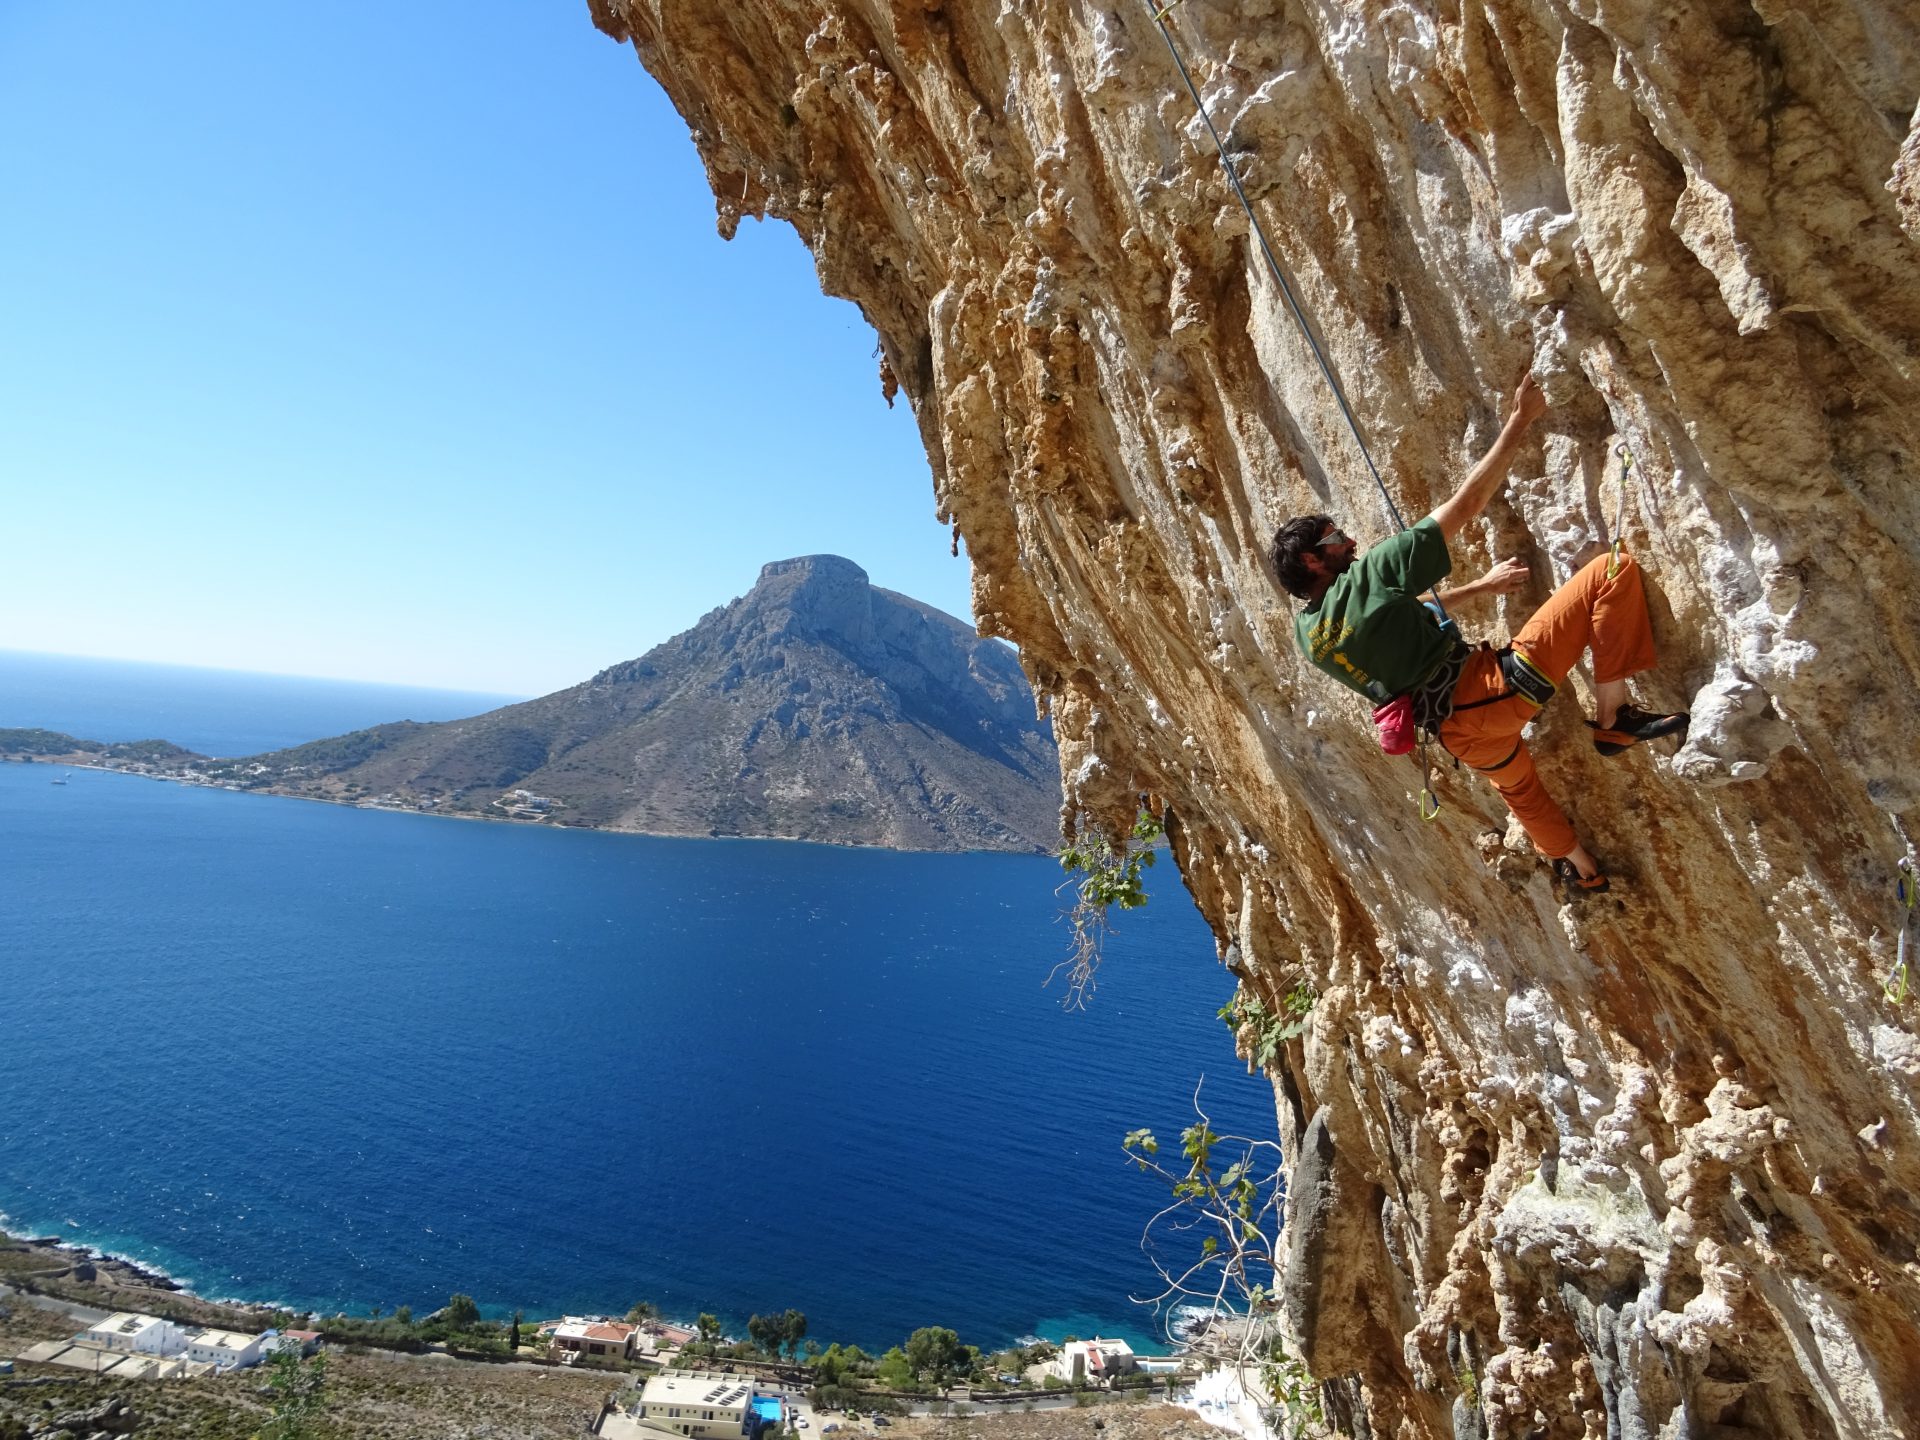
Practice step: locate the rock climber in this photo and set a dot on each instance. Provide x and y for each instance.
(1365, 624)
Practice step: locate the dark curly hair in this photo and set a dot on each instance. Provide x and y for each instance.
(1292, 543)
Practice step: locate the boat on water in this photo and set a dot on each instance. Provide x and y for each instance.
(62, 779)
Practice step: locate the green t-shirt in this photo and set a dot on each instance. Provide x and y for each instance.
(1370, 631)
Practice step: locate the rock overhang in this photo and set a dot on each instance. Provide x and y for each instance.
(1690, 225)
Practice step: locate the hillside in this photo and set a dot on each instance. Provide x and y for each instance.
(1559, 1166)
(816, 707)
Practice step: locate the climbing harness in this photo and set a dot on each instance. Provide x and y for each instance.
(1431, 702)
(1897, 979)
(1620, 506)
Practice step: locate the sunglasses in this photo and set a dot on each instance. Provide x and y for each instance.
(1332, 537)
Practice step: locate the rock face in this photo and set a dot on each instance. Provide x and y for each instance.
(1641, 1166)
(816, 707)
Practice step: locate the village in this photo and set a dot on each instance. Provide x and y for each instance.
(649, 1378)
(130, 1345)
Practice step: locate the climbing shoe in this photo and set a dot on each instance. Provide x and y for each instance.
(1569, 875)
(1631, 726)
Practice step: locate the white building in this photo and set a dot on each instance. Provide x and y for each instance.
(708, 1407)
(139, 1335)
(611, 1338)
(226, 1349)
(1092, 1362)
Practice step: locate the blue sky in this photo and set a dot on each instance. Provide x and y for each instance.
(395, 342)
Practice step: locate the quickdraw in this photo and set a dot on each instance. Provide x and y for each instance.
(1899, 978)
(1428, 802)
(1620, 506)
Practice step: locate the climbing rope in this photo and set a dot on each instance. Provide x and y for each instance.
(1273, 268)
(1620, 506)
(1429, 804)
(1897, 979)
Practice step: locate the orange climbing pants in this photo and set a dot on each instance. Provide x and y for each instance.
(1590, 611)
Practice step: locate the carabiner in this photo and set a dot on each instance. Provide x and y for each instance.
(1620, 510)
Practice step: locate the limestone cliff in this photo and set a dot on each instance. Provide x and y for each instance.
(1631, 1167)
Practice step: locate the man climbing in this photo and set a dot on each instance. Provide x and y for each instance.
(1365, 625)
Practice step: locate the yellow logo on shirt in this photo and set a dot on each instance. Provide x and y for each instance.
(1324, 643)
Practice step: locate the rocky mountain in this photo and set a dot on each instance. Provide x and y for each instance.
(815, 707)
(1642, 1165)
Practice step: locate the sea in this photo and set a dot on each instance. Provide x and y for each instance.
(335, 1059)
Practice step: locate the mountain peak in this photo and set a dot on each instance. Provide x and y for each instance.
(819, 595)
(816, 706)
(831, 567)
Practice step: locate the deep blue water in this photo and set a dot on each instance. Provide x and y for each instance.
(217, 712)
(338, 1058)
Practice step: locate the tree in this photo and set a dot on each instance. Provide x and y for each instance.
(895, 1369)
(403, 1314)
(1241, 1205)
(299, 1388)
(933, 1351)
(830, 1366)
(765, 1332)
(462, 1313)
(513, 1336)
(793, 1329)
(708, 1326)
(642, 1310)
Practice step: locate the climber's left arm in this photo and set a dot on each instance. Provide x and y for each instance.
(1503, 579)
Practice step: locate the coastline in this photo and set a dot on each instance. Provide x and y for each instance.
(64, 1257)
(78, 1263)
(73, 762)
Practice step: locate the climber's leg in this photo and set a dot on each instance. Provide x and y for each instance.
(1606, 613)
(1487, 737)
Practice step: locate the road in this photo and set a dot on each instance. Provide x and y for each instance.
(62, 1307)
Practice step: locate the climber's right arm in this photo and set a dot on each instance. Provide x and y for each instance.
(1466, 503)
